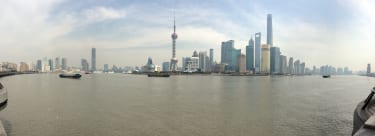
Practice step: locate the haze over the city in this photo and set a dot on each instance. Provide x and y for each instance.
(126, 33)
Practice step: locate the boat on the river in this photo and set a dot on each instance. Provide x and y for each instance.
(326, 76)
(3, 97)
(158, 75)
(67, 75)
(364, 117)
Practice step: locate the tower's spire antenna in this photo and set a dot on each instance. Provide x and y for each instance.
(174, 17)
(174, 24)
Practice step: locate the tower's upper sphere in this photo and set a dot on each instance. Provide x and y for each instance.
(174, 36)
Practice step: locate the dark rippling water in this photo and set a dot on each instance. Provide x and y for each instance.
(135, 105)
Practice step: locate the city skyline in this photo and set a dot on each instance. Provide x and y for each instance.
(126, 33)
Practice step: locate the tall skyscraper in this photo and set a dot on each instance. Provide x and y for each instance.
(297, 67)
(23, 67)
(347, 71)
(149, 61)
(283, 64)
(57, 63)
(64, 63)
(275, 60)
(185, 63)
(229, 55)
(106, 68)
(211, 58)
(257, 52)
(50, 63)
(39, 65)
(269, 30)
(368, 69)
(340, 71)
(325, 70)
(45, 65)
(290, 66)
(265, 67)
(85, 65)
(32, 66)
(208, 64)
(234, 63)
(302, 68)
(203, 61)
(173, 64)
(315, 70)
(165, 66)
(93, 59)
(250, 55)
(226, 51)
(241, 63)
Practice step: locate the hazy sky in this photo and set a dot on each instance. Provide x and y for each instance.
(125, 32)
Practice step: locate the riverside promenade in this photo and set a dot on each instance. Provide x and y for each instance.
(4, 74)
(11, 73)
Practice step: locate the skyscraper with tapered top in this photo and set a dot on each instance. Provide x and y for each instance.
(250, 55)
(269, 30)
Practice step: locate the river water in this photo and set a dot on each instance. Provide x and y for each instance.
(135, 105)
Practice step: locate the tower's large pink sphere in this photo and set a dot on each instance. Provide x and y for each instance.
(174, 36)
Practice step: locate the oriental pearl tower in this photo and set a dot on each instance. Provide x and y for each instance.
(173, 66)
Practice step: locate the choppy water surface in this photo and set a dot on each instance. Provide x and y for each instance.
(135, 105)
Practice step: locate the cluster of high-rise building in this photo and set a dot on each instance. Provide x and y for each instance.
(198, 62)
(52, 65)
(259, 58)
(60, 64)
(330, 70)
(8, 66)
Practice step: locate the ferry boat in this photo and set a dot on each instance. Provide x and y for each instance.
(75, 76)
(3, 97)
(158, 75)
